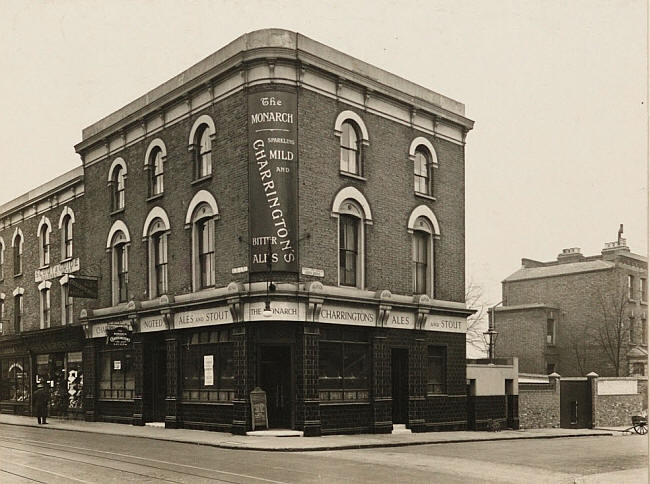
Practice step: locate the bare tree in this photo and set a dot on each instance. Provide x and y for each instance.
(578, 342)
(611, 332)
(477, 322)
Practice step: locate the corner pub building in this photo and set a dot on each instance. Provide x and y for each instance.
(279, 216)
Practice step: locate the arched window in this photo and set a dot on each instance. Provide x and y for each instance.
(18, 309)
(350, 244)
(422, 257)
(44, 245)
(2, 312)
(204, 152)
(18, 252)
(156, 185)
(424, 229)
(120, 266)
(203, 246)
(2, 259)
(44, 289)
(66, 238)
(424, 158)
(157, 241)
(350, 148)
(66, 301)
(118, 189)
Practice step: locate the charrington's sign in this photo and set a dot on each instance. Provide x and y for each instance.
(273, 159)
(67, 267)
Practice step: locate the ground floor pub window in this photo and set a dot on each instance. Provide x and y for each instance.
(207, 366)
(344, 365)
(436, 370)
(116, 375)
(14, 379)
(74, 380)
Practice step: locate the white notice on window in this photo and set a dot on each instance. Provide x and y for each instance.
(208, 370)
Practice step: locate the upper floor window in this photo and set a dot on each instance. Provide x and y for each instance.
(66, 236)
(201, 137)
(18, 312)
(44, 289)
(353, 212)
(66, 305)
(424, 227)
(550, 331)
(201, 215)
(630, 287)
(18, 252)
(2, 259)
(350, 149)
(424, 160)
(353, 136)
(422, 173)
(2, 312)
(644, 289)
(117, 184)
(44, 241)
(157, 233)
(156, 170)
(118, 247)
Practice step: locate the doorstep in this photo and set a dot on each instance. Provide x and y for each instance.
(275, 433)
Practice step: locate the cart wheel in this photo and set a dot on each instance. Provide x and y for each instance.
(641, 429)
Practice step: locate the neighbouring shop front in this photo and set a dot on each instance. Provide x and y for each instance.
(52, 357)
(324, 367)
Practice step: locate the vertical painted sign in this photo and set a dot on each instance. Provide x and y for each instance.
(273, 181)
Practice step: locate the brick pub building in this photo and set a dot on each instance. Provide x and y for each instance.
(282, 216)
(577, 314)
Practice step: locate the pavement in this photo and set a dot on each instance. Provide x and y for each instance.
(279, 441)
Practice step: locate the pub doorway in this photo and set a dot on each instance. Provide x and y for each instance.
(400, 384)
(155, 379)
(275, 379)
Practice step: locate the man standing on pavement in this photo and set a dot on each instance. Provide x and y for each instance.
(41, 400)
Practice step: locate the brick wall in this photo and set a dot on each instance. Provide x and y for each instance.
(522, 333)
(389, 190)
(31, 262)
(617, 410)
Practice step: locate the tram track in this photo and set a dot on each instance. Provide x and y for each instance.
(121, 463)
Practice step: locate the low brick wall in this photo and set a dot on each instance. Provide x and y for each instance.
(617, 410)
(539, 405)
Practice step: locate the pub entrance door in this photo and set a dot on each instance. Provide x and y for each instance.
(275, 380)
(155, 379)
(400, 384)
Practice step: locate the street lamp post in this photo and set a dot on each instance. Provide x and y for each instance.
(490, 336)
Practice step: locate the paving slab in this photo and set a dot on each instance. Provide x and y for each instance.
(271, 442)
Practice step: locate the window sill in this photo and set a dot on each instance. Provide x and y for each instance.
(352, 175)
(155, 197)
(67, 259)
(202, 179)
(425, 196)
(44, 266)
(434, 395)
(18, 275)
(117, 212)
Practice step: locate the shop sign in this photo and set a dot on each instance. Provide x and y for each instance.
(351, 315)
(119, 336)
(447, 324)
(150, 324)
(208, 370)
(400, 320)
(282, 310)
(99, 330)
(273, 185)
(202, 317)
(57, 270)
(617, 387)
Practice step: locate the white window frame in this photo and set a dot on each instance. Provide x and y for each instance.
(45, 296)
(423, 225)
(202, 213)
(21, 242)
(157, 228)
(66, 221)
(362, 142)
(423, 144)
(65, 289)
(118, 234)
(19, 291)
(118, 164)
(2, 259)
(157, 145)
(194, 144)
(44, 249)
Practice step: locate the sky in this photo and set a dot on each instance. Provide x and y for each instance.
(558, 89)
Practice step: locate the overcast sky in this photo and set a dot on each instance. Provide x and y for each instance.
(558, 90)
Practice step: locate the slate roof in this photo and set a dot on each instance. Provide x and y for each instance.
(559, 270)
